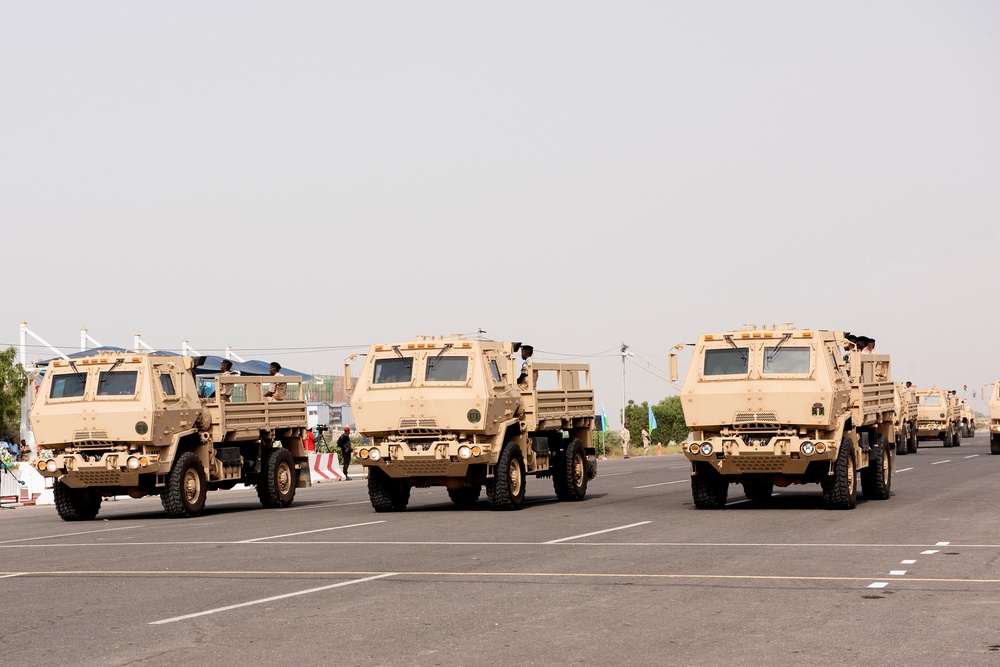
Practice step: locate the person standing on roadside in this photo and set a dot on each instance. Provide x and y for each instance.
(626, 439)
(346, 449)
(645, 441)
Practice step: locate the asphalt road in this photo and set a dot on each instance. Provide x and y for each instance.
(632, 575)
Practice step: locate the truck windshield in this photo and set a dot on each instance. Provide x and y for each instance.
(447, 369)
(727, 361)
(786, 360)
(69, 385)
(117, 383)
(932, 400)
(388, 371)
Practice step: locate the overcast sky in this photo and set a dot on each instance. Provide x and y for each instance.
(294, 177)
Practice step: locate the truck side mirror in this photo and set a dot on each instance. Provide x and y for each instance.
(673, 361)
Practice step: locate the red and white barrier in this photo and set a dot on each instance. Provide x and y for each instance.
(324, 468)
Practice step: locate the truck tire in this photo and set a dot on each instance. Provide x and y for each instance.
(709, 489)
(876, 479)
(946, 438)
(76, 504)
(758, 491)
(506, 489)
(840, 491)
(914, 443)
(467, 496)
(569, 472)
(956, 437)
(184, 494)
(901, 443)
(994, 443)
(277, 481)
(385, 493)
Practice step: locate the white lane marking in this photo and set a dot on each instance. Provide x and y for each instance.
(897, 573)
(52, 537)
(646, 486)
(409, 543)
(941, 544)
(312, 507)
(928, 552)
(598, 532)
(904, 469)
(746, 500)
(271, 599)
(879, 584)
(612, 474)
(972, 456)
(934, 463)
(306, 532)
(909, 561)
(8, 576)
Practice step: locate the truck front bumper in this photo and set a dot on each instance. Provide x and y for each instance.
(745, 455)
(422, 458)
(117, 469)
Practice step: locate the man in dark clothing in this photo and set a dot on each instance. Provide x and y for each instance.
(346, 449)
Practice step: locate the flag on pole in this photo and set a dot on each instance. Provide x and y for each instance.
(652, 419)
(604, 418)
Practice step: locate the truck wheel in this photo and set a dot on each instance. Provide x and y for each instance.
(946, 438)
(467, 496)
(276, 484)
(76, 504)
(994, 443)
(759, 491)
(569, 472)
(387, 494)
(506, 489)
(840, 490)
(876, 479)
(956, 437)
(709, 489)
(186, 487)
(901, 444)
(913, 442)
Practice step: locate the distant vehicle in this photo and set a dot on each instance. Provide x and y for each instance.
(968, 420)
(938, 417)
(449, 412)
(905, 422)
(995, 419)
(133, 423)
(776, 406)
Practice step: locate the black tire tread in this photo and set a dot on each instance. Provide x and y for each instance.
(836, 494)
(76, 504)
(709, 489)
(872, 484)
(563, 479)
(267, 485)
(172, 497)
(385, 493)
(498, 488)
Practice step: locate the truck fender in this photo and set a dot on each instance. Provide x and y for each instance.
(502, 437)
(195, 444)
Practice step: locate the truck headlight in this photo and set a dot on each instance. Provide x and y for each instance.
(374, 454)
(50, 465)
(464, 452)
(706, 448)
(807, 448)
(132, 463)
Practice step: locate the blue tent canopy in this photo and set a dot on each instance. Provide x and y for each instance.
(212, 364)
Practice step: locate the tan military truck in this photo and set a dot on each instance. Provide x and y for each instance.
(133, 423)
(995, 419)
(968, 420)
(905, 423)
(450, 412)
(938, 417)
(777, 406)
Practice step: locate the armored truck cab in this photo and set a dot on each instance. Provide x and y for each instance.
(995, 419)
(133, 423)
(779, 406)
(938, 417)
(905, 424)
(450, 412)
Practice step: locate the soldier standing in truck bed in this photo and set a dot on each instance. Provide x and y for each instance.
(277, 390)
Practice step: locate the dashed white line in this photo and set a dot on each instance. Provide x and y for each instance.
(934, 463)
(879, 584)
(972, 456)
(612, 474)
(306, 532)
(310, 507)
(646, 486)
(747, 500)
(929, 552)
(897, 573)
(904, 469)
(907, 562)
(8, 576)
(52, 537)
(941, 544)
(270, 599)
(597, 532)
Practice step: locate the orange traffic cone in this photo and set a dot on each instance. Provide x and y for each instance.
(659, 449)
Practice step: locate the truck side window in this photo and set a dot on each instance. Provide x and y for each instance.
(70, 385)
(167, 384)
(495, 372)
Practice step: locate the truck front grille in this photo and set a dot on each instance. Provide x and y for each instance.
(99, 477)
(90, 435)
(422, 468)
(758, 463)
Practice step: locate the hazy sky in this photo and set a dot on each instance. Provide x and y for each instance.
(291, 177)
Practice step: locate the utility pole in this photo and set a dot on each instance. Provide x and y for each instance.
(625, 353)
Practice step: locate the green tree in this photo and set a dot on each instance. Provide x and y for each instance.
(670, 423)
(13, 386)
